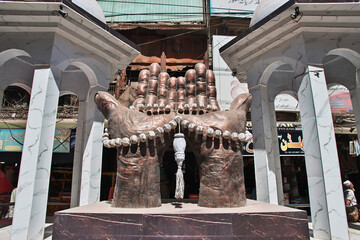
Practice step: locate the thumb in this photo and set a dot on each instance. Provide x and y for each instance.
(106, 103)
(241, 102)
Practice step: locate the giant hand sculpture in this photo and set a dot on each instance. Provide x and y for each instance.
(142, 133)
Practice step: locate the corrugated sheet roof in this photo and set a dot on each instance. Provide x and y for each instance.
(152, 10)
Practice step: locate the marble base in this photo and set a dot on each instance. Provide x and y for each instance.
(256, 220)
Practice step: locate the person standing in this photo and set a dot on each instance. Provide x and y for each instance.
(352, 211)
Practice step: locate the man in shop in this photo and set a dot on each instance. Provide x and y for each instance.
(352, 211)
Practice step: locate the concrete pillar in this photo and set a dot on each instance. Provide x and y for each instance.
(78, 153)
(34, 176)
(93, 128)
(322, 164)
(266, 151)
(1, 98)
(355, 101)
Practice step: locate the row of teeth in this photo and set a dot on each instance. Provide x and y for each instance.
(167, 108)
(210, 132)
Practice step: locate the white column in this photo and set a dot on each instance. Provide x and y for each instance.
(92, 154)
(322, 164)
(1, 98)
(34, 176)
(266, 147)
(78, 153)
(355, 101)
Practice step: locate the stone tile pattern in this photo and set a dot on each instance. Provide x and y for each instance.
(291, 224)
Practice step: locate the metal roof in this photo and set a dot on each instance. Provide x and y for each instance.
(152, 10)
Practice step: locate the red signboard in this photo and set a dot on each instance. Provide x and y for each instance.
(340, 102)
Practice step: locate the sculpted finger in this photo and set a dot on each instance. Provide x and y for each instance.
(190, 89)
(142, 89)
(201, 97)
(172, 92)
(151, 98)
(163, 91)
(181, 94)
(211, 91)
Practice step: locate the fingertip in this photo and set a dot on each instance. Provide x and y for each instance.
(154, 70)
(200, 69)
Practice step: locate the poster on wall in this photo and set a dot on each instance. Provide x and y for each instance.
(340, 99)
(12, 140)
(233, 8)
(229, 87)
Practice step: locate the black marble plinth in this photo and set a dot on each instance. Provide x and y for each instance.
(256, 220)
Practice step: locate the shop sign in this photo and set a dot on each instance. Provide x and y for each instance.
(340, 102)
(233, 8)
(290, 143)
(12, 140)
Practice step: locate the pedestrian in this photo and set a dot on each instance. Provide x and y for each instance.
(352, 210)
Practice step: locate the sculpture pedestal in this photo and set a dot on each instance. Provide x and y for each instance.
(256, 220)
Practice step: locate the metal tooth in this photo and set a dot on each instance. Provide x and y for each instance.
(142, 137)
(218, 133)
(106, 143)
(105, 138)
(173, 124)
(161, 106)
(192, 127)
(167, 107)
(208, 107)
(106, 135)
(167, 127)
(155, 105)
(148, 106)
(226, 134)
(185, 123)
(194, 105)
(186, 107)
(210, 132)
(134, 139)
(118, 142)
(112, 143)
(152, 135)
(248, 136)
(242, 137)
(106, 130)
(132, 107)
(202, 105)
(199, 130)
(234, 136)
(141, 107)
(160, 130)
(125, 141)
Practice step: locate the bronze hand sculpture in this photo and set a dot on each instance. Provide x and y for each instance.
(142, 133)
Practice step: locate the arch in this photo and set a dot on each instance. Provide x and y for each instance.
(23, 86)
(278, 77)
(16, 67)
(78, 78)
(341, 66)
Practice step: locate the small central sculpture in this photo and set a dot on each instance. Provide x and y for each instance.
(164, 106)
